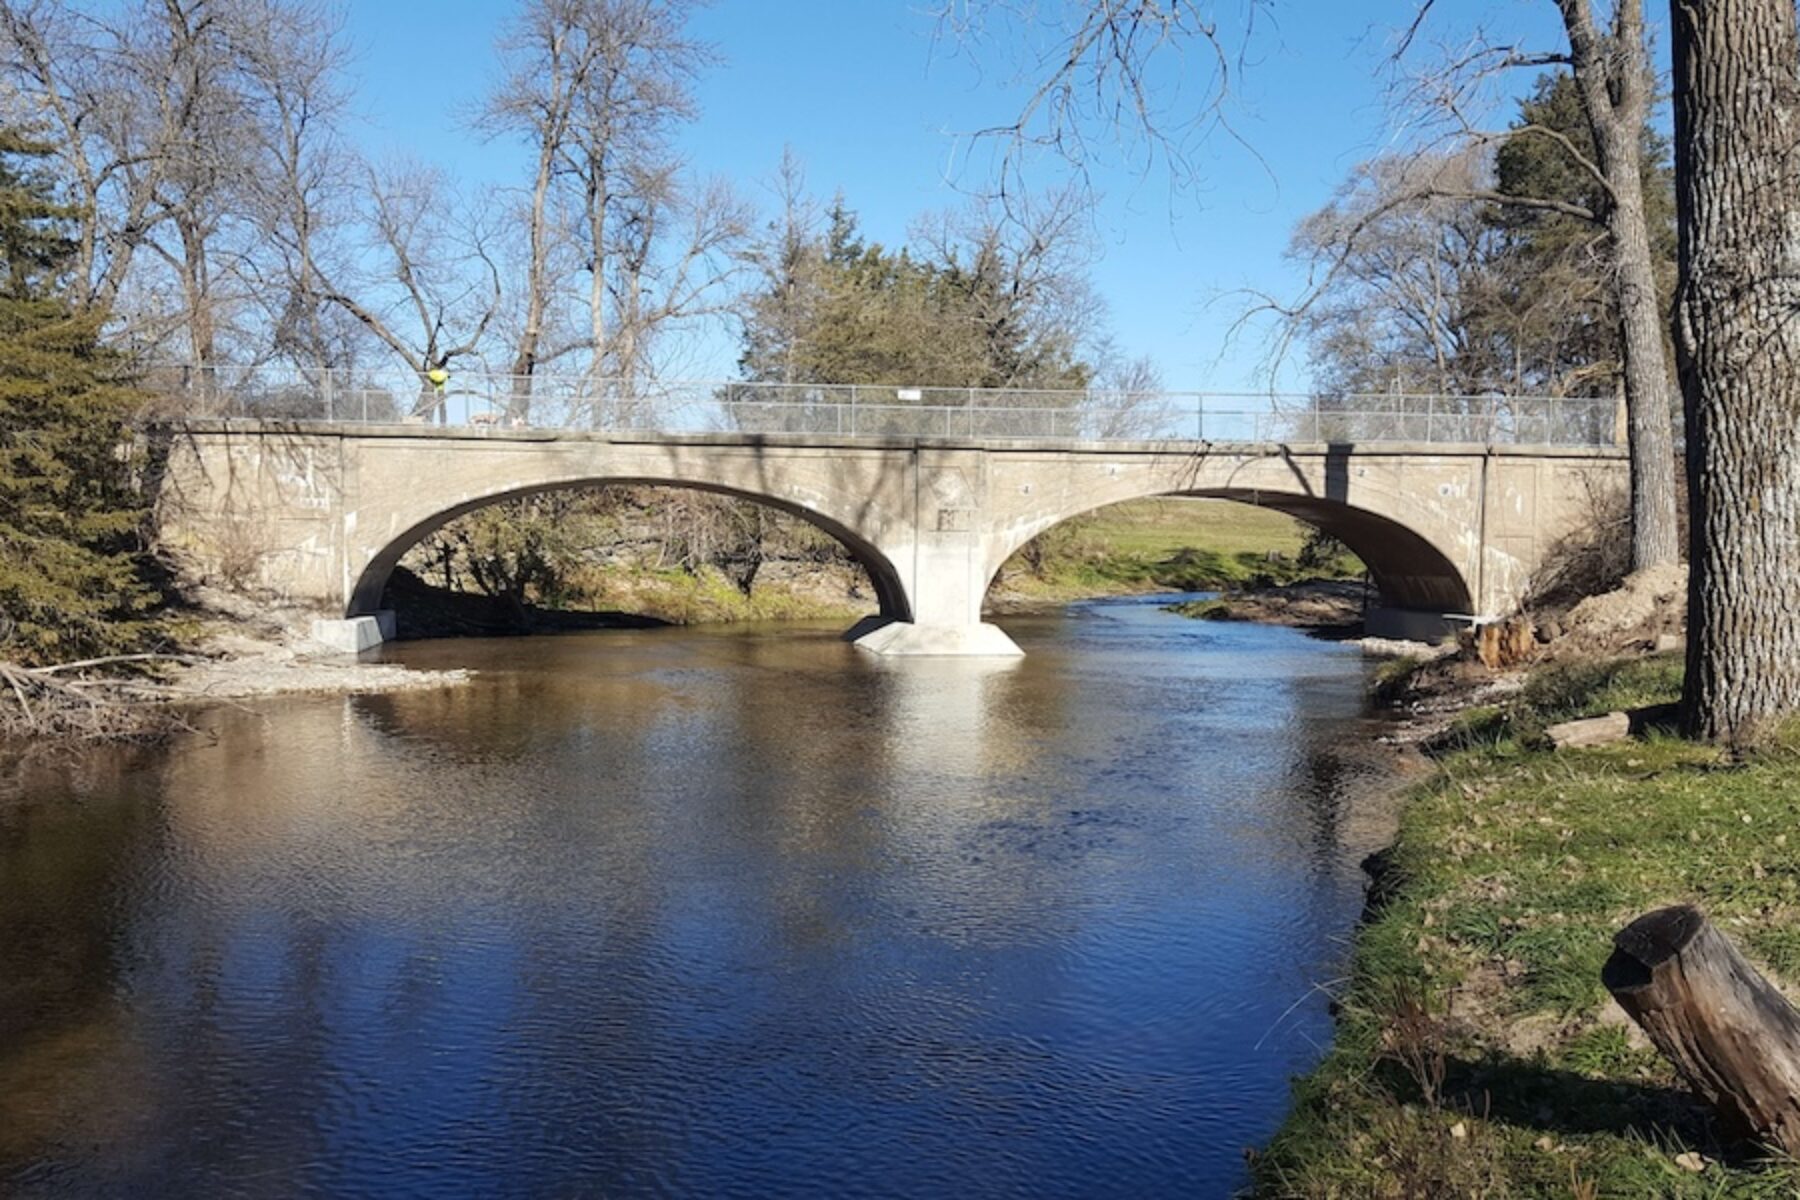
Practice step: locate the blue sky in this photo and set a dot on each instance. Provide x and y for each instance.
(869, 100)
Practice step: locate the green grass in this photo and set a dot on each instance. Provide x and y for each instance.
(691, 598)
(1168, 545)
(1474, 997)
(1157, 529)
(1563, 693)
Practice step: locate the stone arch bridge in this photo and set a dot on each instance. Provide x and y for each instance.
(323, 512)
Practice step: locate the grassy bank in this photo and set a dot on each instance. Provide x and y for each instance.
(1477, 1053)
(697, 597)
(1165, 545)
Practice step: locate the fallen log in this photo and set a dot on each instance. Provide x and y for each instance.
(1733, 1037)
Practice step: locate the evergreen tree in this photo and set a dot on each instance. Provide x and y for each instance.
(1556, 300)
(842, 310)
(71, 581)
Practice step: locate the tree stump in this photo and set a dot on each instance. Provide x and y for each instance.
(1733, 1036)
(1502, 644)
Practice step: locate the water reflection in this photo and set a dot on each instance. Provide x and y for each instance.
(668, 912)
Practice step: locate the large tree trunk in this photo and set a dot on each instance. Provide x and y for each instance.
(537, 283)
(1737, 126)
(1613, 75)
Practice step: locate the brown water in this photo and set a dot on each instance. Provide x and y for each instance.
(695, 913)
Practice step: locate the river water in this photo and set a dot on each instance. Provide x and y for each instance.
(701, 913)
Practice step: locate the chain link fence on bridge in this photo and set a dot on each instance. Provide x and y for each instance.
(565, 402)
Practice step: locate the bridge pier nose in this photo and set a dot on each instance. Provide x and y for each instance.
(942, 579)
(881, 635)
(353, 635)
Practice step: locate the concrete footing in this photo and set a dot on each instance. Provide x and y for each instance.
(352, 635)
(934, 641)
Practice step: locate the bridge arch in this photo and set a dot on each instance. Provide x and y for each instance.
(1417, 560)
(365, 592)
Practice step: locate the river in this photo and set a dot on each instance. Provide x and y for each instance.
(697, 912)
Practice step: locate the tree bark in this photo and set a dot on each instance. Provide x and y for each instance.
(1737, 125)
(1731, 1035)
(537, 283)
(1655, 536)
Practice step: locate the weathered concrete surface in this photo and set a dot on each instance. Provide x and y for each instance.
(323, 513)
(353, 635)
(979, 640)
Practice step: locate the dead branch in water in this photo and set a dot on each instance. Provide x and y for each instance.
(43, 702)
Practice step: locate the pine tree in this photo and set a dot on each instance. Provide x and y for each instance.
(1559, 306)
(71, 577)
(839, 309)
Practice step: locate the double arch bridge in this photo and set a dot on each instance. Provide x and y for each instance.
(324, 510)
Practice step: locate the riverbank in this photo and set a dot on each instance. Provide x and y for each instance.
(247, 647)
(1477, 1053)
(1318, 605)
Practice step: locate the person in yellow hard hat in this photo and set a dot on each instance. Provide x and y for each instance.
(439, 377)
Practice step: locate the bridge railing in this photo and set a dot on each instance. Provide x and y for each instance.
(561, 402)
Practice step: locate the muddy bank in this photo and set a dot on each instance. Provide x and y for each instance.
(1319, 605)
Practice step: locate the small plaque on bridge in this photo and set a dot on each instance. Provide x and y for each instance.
(910, 393)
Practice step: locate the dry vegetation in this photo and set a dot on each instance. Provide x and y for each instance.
(102, 699)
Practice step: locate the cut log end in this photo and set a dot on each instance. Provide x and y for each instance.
(1656, 937)
(1733, 1037)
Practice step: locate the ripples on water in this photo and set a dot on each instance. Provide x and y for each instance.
(705, 913)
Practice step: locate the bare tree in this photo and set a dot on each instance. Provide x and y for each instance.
(1148, 78)
(621, 124)
(776, 314)
(676, 250)
(549, 63)
(190, 131)
(596, 89)
(291, 57)
(433, 285)
(1737, 107)
(1399, 261)
(1608, 55)
(1129, 396)
(67, 72)
(189, 59)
